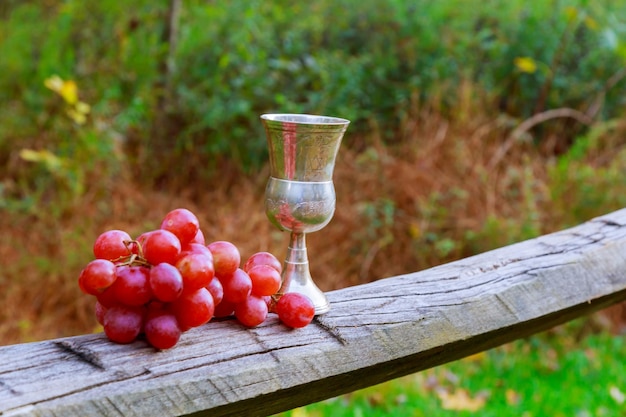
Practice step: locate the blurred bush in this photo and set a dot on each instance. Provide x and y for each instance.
(180, 93)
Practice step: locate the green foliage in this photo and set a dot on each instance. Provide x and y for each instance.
(52, 146)
(235, 60)
(523, 220)
(588, 180)
(436, 235)
(379, 218)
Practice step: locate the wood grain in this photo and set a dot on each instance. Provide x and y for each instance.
(373, 333)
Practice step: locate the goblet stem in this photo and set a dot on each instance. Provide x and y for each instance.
(297, 276)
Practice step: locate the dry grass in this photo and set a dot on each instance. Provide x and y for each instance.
(396, 206)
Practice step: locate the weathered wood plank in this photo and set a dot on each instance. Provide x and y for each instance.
(373, 333)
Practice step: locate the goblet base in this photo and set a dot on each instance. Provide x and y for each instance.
(297, 277)
(308, 288)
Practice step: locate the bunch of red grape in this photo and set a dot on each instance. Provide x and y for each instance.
(169, 280)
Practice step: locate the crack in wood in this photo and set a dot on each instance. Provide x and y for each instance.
(408, 294)
(115, 407)
(7, 387)
(330, 329)
(416, 310)
(606, 222)
(507, 306)
(392, 323)
(593, 238)
(479, 270)
(82, 353)
(216, 389)
(264, 345)
(533, 272)
(20, 369)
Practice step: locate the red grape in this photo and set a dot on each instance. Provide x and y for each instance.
(169, 280)
(252, 311)
(100, 311)
(97, 276)
(216, 289)
(226, 257)
(166, 282)
(194, 309)
(265, 280)
(183, 223)
(122, 324)
(237, 286)
(162, 330)
(271, 303)
(111, 245)
(263, 258)
(197, 271)
(295, 310)
(161, 246)
(196, 248)
(199, 238)
(224, 309)
(132, 286)
(107, 297)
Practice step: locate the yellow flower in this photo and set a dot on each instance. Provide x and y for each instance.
(76, 116)
(54, 83)
(52, 162)
(83, 107)
(525, 64)
(66, 89)
(591, 23)
(571, 13)
(69, 92)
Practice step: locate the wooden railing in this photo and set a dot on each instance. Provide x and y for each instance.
(373, 333)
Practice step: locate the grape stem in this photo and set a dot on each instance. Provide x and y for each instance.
(273, 300)
(134, 259)
(128, 244)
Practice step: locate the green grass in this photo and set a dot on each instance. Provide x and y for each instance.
(564, 372)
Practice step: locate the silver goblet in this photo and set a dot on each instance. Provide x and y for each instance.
(300, 195)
